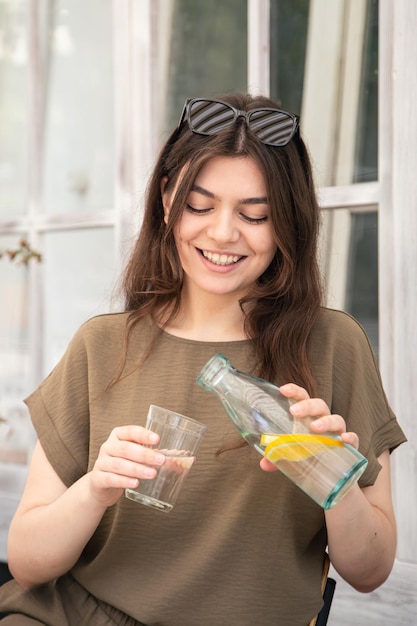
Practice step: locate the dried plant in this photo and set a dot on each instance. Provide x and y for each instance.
(23, 254)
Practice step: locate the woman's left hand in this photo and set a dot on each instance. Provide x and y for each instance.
(324, 422)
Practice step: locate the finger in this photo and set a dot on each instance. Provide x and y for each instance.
(135, 452)
(132, 443)
(311, 407)
(329, 423)
(351, 438)
(119, 466)
(137, 434)
(131, 459)
(267, 466)
(118, 474)
(121, 459)
(291, 390)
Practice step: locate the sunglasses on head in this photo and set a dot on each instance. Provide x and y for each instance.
(209, 117)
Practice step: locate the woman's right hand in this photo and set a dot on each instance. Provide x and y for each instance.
(123, 461)
(42, 544)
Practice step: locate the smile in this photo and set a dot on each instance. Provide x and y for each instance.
(221, 259)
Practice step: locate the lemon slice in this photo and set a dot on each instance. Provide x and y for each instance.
(296, 447)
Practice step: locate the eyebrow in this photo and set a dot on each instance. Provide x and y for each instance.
(248, 201)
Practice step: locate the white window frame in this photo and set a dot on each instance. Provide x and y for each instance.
(394, 195)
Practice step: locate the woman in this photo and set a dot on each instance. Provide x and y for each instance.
(225, 262)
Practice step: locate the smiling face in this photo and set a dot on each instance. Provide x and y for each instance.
(225, 238)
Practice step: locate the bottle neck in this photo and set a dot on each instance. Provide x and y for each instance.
(212, 376)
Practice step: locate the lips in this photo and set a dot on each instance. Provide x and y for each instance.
(221, 259)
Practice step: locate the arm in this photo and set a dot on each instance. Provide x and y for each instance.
(53, 523)
(362, 534)
(361, 528)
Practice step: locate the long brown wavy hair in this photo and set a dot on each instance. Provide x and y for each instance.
(286, 299)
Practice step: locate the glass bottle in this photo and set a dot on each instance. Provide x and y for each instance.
(322, 465)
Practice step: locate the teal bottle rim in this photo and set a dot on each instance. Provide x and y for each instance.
(212, 371)
(345, 483)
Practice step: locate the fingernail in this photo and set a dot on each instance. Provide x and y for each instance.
(153, 438)
(159, 459)
(318, 424)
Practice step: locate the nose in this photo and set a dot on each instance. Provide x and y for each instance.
(223, 227)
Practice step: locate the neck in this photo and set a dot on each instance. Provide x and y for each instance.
(208, 319)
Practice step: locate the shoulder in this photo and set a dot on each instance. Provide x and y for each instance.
(106, 322)
(95, 349)
(109, 335)
(106, 328)
(101, 335)
(338, 338)
(339, 326)
(336, 320)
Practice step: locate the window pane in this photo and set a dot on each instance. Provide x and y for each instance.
(78, 164)
(14, 356)
(205, 54)
(324, 66)
(366, 161)
(13, 107)
(288, 41)
(14, 309)
(362, 280)
(78, 274)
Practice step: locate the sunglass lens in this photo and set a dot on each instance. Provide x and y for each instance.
(208, 117)
(275, 128)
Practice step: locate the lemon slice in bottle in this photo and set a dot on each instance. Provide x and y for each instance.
(296, 446)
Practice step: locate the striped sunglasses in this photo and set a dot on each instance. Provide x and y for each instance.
(207, 116)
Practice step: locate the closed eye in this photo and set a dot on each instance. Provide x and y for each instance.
(246, 218)
(254, 220)
(192, 209)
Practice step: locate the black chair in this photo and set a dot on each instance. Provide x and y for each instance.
(5, 576)
(328, 586)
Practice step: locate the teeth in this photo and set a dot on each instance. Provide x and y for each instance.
(221, 259)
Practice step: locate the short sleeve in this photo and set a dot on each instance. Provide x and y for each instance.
(59, 410)
(350, 381)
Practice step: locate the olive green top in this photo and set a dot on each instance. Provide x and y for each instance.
(241, 546)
